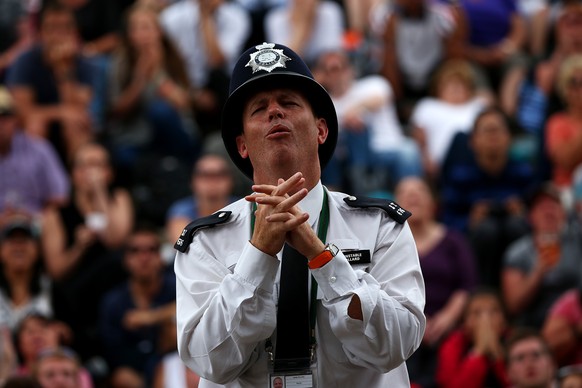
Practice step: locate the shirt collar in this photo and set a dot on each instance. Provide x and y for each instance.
(312, 203)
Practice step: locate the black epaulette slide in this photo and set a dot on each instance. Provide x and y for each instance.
(210, 221)
(397, 213)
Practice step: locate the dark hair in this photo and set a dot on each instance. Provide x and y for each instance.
(34, 285)
(54, 6)
(485, 291)
(487, 111)
(522, 333)
(173, 61)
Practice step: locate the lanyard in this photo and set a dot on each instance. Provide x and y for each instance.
(321, 234)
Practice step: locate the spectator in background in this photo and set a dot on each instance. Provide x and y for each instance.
(370, 135)
(473, 355)
(17, 31)
(149, 97)
(37, 333)
(564, 129)
(32, 177)
(24, 287)
(544, 263)
(52, 84)
(543, 22)
(452, 107)
(562, 328)
(449, 269)
(99, 23)
(58, 368)
(495, 37)
(536, 95)
(416, 36)
(482, 191)
(133, 313)
(210, 36)
(529, 360)
(212, 185)
(308, 27)
(82, 242)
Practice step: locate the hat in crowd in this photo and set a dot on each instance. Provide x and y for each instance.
(6, 104)
(268, 66)
(19, 225)
(544, 189)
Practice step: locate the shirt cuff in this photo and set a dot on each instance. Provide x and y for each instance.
(336, 278)
(257, 267)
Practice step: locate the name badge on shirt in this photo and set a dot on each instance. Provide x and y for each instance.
(355, 257)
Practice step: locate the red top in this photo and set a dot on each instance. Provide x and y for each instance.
(459, 368)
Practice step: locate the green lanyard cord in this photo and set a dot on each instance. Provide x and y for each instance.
(321, 234)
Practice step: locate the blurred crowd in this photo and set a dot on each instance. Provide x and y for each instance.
(467, 112)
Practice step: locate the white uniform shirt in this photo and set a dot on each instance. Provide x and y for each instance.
(227, 293)
(181, 22)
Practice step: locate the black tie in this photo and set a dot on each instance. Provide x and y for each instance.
(292, 349)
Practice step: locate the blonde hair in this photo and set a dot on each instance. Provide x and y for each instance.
(453, 68)
(570, 65)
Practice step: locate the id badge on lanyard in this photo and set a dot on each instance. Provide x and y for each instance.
(299, 373)
(293, 373)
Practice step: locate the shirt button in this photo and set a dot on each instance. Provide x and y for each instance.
(332, 279)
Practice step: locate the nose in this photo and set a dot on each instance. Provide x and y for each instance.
(275, 110)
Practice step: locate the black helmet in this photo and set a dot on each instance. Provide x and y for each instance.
(265, 67)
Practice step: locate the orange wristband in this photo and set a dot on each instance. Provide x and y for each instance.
(320, 260)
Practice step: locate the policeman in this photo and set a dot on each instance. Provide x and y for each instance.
(317, 287)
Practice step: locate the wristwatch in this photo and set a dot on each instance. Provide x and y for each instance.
(324, 257)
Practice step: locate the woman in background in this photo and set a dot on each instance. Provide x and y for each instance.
(449, 270)
(150, 102)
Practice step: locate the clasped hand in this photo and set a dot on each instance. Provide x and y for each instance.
(278, 218)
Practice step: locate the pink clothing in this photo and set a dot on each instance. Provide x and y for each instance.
(568, 307)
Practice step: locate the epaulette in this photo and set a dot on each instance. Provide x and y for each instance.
(394, 210)
(210, 221)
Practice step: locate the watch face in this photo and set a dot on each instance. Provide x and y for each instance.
(333, 249)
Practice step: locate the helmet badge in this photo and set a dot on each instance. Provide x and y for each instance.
(267, 58)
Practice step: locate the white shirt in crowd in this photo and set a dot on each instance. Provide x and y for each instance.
(181, 22)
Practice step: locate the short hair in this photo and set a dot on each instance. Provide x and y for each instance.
(522, 333)
(54, 7)
(494, 109)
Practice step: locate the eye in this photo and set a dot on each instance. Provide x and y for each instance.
(290, 103)
(257, 109)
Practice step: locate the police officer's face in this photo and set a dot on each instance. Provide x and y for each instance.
(280, 128)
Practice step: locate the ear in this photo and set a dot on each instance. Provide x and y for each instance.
(241, 146)
(322, 130)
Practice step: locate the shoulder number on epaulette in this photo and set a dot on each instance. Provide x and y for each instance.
(210, 221)
(397, 213)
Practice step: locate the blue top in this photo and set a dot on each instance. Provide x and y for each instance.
(30, 70)
(135, 348)
(489, 20)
